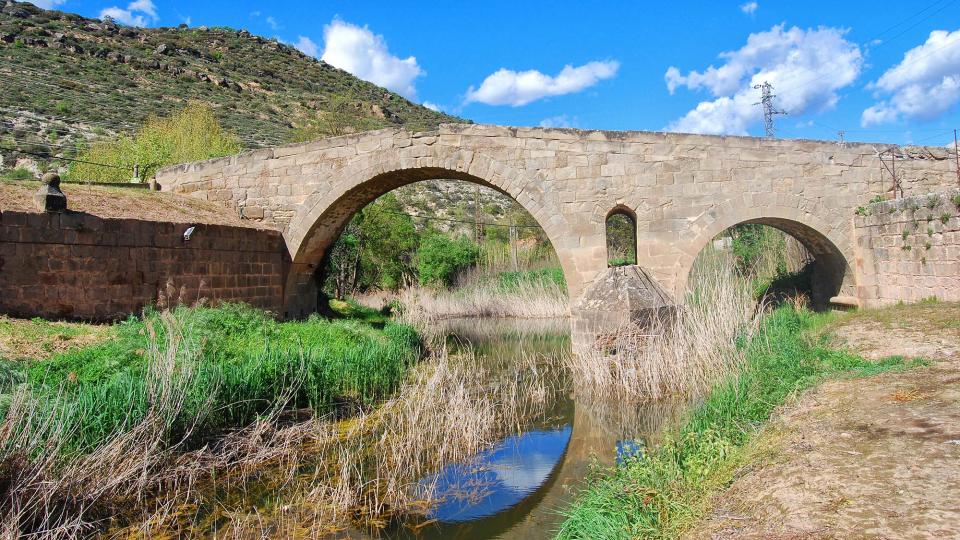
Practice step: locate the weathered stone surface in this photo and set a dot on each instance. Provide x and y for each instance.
(49, 198)
(684, 189)
(80, 266)
(909, 250)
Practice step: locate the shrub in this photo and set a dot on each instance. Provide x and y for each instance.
(18, 174)
(440, 257)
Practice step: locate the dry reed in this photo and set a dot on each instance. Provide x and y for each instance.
(527, 300)
(680, 353)
(322, 474)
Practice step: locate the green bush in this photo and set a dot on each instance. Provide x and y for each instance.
(440, 257)
(18, 174)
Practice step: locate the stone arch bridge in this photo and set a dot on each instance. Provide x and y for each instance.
(682, 189)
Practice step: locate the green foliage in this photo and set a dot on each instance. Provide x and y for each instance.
(655, 493)
(621, 240)
(374, 251)
(245, 363)
(511, 281)
(18, 174)
(876, 199)
(751, 241)
(190, 134)
(440, 257)
(956, 200)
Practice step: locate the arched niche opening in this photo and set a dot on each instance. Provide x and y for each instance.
(783, 258)
(400, 211)
(621, 234)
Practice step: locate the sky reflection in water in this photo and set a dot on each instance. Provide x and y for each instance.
(500, 477)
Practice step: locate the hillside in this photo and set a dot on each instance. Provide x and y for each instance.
(67, 79)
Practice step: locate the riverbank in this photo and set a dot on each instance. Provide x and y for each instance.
(92, 432)
(663, 492)
(875, 456)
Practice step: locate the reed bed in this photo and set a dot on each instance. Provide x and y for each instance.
(526, 300)
(680, 353)
(289, 471)
(365, 473)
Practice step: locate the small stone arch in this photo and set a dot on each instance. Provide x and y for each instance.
(832, 274)
(323, 216)
(623, 218)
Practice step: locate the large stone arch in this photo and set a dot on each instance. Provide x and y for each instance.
(322, 217)
(830, 246)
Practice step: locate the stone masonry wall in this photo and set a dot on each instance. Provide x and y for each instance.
(909, 249)
(79, 266)
(684, 189)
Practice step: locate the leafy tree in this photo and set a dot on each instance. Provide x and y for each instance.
(374, 251)
(440, 257)
(190, 134)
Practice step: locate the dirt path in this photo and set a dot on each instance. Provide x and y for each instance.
(860, 458)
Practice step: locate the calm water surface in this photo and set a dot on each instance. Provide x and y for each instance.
(515, 488)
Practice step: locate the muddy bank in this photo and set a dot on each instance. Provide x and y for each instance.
(875, 457)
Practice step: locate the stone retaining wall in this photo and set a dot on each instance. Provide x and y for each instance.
(909, 250)
(79, 266)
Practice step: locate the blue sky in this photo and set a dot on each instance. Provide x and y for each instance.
(881, 73)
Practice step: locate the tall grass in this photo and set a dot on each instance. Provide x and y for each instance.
(524, 300)
(323, 476)
(658, 493)
(121, 413)
(240, 440)
(680, 353)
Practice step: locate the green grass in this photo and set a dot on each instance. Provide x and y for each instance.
(244, 365)
(657, 493)
(511, 281)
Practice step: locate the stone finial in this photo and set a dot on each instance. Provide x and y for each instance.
(49, 198)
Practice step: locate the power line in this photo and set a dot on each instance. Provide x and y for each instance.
(35, 154)
(466, 222)
(886, 42)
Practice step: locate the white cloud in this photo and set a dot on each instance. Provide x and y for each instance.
(924, 85)
(144, 6)
(47, 4)
(749, 8)
(559, 121)
(432, 106)
(516, 88)
(272, 23)
(307, 46)
(359, 51)
(138, 13)
(806, 68)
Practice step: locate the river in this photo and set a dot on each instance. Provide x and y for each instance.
(516, 488)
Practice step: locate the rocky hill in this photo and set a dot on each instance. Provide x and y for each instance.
(67, 79)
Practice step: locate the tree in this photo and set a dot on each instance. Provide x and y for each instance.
(440, 257)
(191, 134)
(374, 251)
